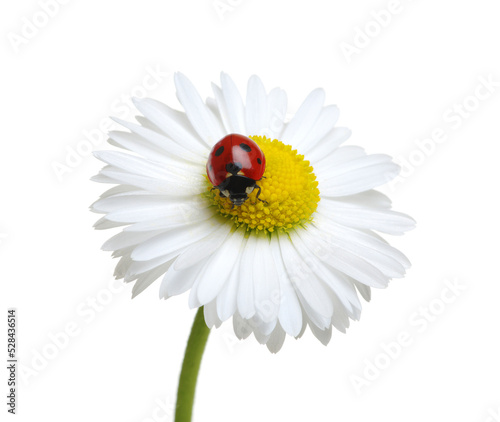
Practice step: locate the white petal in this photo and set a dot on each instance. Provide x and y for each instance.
(311, 293)
(163, 142)
(276, 113)
(135, 208)
(260, 336)
(328, 145)
(233, 104)
(323, 336)
(245, 296)
(256, 107)
(210, 315)
(172, 219)
(348, 165)
(323, 125)
(339, 285)
(359, 180)
(276, 339)
(266, 285)
(340, 319)
(241, 327)
(173, 123)
(101, 178)
(342, 260)
(147, 279)
(172, 240)
(340, 157)
(125, 239)
(369, 198)
(169, 215)
(125, 251)
(371, 240)
(137, 165)
(261, 329)
(390, 267)
(290, 312)
(203, 248)
(137, 144)
(177, 282)
(137, 268)
(103, 223)
(124, 263)
(140, 200)
(218, 269)
(214, 108)
(226, 300)
(218, 107)
(364, 290)
(362, 248)
(120, 190)
(147, 123)
(154, 184)
(305, 322)
(305, 118)
(383, 220)
(202, 119)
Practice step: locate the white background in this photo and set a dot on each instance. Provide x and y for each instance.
(121, 363)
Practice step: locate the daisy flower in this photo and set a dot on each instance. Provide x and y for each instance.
(297, 256)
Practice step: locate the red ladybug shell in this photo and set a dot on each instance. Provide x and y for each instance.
(235, 151)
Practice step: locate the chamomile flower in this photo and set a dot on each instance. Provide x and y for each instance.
(296, 256)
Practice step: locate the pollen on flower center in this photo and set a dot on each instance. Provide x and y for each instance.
(289, 189)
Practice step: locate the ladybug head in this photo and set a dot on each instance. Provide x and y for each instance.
(237, 188)
(238, 198)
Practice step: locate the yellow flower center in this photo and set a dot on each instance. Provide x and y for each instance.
(289, 190)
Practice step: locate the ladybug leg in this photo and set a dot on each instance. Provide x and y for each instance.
(258, 194)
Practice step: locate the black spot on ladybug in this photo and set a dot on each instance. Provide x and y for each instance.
(219, 151)
(233, 168)
(245, 147)
(259, 160)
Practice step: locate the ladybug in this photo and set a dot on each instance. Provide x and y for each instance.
(234, 166)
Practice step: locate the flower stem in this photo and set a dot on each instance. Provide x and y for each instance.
(190, 368)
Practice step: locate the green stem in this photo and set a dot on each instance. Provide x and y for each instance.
(190, 368)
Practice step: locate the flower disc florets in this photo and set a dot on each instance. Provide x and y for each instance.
(289, 191)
